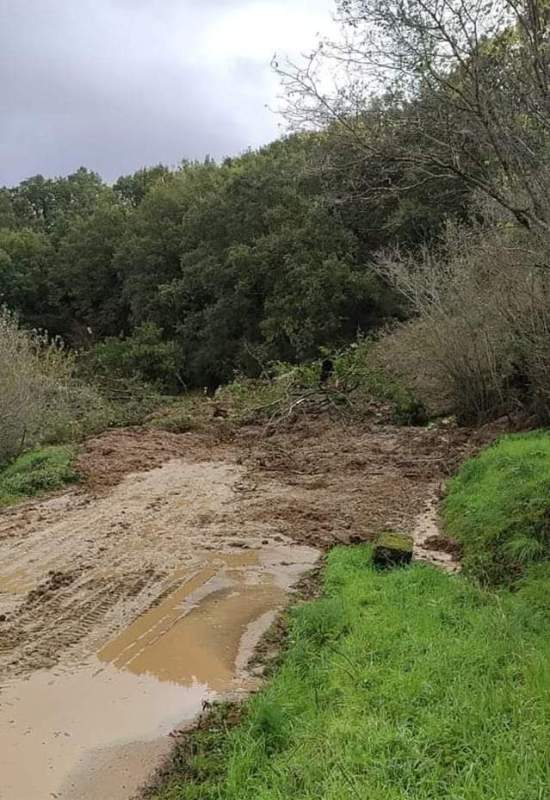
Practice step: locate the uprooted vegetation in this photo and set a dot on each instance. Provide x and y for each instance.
(354, 388)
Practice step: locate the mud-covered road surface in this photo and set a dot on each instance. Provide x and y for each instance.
(128, 603)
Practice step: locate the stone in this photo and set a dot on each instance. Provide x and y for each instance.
(392, 550)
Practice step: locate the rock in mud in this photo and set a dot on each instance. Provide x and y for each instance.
(392, 550)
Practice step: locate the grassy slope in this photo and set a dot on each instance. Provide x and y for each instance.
(36, 472)
(405, 684)
(498, 506)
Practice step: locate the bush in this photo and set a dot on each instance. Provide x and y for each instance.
(498, 507)
(143, 357)
(36, 472)
(478, 345)
(41, 400)
(34, 373)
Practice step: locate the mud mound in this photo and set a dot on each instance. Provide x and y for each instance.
(78, 567)
(106, 459)
(342, 484)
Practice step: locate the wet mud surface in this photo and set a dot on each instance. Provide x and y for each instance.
(97, 726)
(126, 605)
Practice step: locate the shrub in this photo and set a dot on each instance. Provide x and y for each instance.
(143, 357)
(478, 345)
(34, 373)
(36, 472)
(41, 401)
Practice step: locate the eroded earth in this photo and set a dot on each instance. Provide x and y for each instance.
(129, 603)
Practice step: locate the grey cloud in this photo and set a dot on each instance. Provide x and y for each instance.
(117, 84)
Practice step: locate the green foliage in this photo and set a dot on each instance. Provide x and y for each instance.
(26, 258)
(356, 365)
(36, 472)
(246, 263)
(92, 287)
(42, 401)
(144, 356)
(132, 189)
(498, 507)
(356, 389)
(239, 264)
(51, 204)
(176, 420)
(410, 683)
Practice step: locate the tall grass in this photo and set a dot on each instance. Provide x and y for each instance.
(409, 684)
(498, 506)
(44, 401)
(33, 376)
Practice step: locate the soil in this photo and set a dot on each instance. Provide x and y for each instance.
(444, 544)
(88, 573)
(80, 565)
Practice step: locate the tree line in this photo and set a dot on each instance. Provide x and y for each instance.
(381, 207)
(262, 257)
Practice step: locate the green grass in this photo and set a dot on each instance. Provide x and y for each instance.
(401, 685)
(35, 473)
(498, 507)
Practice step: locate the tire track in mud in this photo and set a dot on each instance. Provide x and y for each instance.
(108, 561)
(78, 568)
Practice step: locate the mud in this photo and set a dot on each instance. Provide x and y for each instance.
(100, 727)
(429, 545)
(127, 604)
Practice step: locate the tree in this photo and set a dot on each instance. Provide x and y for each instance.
(442, 88)
(50, 204)
(133, 188)
(26, 261)
(268, 269)
(90, 287)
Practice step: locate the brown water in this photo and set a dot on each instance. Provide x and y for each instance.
(97, 730)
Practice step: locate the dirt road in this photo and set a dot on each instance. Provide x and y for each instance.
(128, 603)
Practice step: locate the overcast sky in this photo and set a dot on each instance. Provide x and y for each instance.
(115, 85)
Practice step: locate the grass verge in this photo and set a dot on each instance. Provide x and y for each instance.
(404, 684)
(35, 473)
(498, 507)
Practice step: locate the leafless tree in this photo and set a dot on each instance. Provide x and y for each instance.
(444, 88)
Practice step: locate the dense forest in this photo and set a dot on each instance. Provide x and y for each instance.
(416, 214)
(262, 257)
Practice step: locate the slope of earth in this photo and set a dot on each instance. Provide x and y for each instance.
(176, 540)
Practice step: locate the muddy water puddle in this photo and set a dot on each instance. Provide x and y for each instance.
(100, 728)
